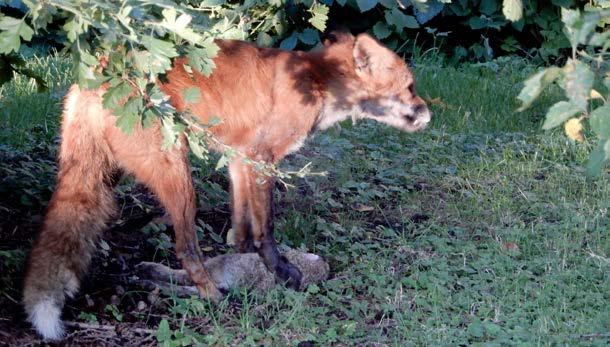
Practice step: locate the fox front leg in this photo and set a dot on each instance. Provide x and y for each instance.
(253, 220)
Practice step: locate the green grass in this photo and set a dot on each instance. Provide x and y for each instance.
(480, 230)
(24, 111)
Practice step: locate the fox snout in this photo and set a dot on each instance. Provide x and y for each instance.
(419, 117)
(416, 118)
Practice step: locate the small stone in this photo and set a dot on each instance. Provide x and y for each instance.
(153, 296)
(89, 301)
(114, 300)
(141, 306)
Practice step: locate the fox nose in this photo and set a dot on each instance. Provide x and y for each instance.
(422, 116)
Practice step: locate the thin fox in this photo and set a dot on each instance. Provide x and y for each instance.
(269, 101)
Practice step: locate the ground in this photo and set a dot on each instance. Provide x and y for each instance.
(482, 229)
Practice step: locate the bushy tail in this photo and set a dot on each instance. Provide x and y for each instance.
(76, 216)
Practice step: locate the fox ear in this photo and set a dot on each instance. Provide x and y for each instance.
(369, 55)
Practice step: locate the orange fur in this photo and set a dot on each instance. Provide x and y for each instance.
(269, 101)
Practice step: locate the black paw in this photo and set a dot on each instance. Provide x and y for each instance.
(289, 273)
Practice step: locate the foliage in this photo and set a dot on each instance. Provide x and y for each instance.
(586, 101)
(127, 45)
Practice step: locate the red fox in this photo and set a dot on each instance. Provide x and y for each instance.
(269, 101)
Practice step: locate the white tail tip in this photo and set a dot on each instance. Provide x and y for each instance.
(45, 317)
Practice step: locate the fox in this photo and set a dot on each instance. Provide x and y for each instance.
(269, 101)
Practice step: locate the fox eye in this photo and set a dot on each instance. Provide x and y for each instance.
(411, 88)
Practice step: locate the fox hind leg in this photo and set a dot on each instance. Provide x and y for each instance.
(167, 174)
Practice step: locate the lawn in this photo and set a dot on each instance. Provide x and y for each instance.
(482, 229)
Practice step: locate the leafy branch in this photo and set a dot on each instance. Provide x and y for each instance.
(590, 41)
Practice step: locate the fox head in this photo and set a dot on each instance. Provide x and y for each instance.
(381, 85)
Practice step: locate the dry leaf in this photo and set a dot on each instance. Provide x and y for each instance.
(573, 129)
(509, 246)
(231, 237)
(594, 94)
(363, 208)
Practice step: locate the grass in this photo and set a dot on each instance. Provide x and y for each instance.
(480, 230)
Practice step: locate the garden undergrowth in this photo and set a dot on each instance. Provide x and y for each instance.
(481, 229)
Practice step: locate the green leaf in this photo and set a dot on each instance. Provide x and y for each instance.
(200, 61)
(488, 7)
(309, 37)
(164, 333)
(191, 95)
(476, 329)
(578, 82)
(115, 95)
(12, 30)
(159, 47)
(168, 130)
(73, 28)
(195, 143)
(214, 121)
(600, 121)
(9, 42)
(16, 26)
(400, 20)
(223, 161)
(598, 157)
(289, 43)
(512, 9)
(366, 5)
(559, 113)
(319, 16)
(264, 40)
(534, 85)
(129, 115)
(179, 25)
(381, 30)
(313, 289)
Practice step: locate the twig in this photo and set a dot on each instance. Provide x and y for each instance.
(11, 299)
(267, 169)
(107, 327)
(598, 257)
(90, 326)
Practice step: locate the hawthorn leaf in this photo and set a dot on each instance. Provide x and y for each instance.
(559, 113)
(309, 37)
(365, 5)
(191, 95)
(129, 114)
(289, 43)
(381, 30)
(597, 158)
(115, 95)
(195, 145)
(578, 82)
(534, 85)
(399, 20)
(600, 121)
(319, 16)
